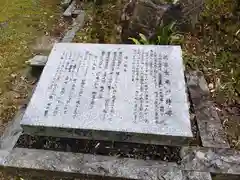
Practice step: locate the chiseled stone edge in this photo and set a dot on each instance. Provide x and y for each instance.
(91, 165)
(106, 135)
(78, 22)
(214, 160)
(77, 164)
(10, 136)
(211, 131)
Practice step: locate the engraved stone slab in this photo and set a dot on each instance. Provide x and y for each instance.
(130, 93)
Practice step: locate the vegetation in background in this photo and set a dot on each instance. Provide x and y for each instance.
(214, 49)
(102, 24)
(165, 35)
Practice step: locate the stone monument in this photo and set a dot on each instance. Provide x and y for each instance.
(132, 93)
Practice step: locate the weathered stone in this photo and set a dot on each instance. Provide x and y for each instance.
(92, 165)
(13, 131)
(10, 136)
(211, 131)
(107, 136)
(111, 92)
(141, 16)
(195, 175)
(70, 9)
(77, 12)
(38, 60)
(197, 164)
(147, 16)
(215, 160)
(77, 24)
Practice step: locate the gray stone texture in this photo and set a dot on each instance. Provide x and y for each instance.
(38, 60)
(210, 128)
(70, 9)
(96, 166)
(195, 175)
(77, 12)
(123, 92)
(92, 165)
(215, 160)
(13, 131)
(10, 136)
(146, 16)
(78, 23)
(197, 163)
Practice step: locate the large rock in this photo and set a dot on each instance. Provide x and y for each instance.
(146, 16)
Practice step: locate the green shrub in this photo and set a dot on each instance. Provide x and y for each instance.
(165, 35)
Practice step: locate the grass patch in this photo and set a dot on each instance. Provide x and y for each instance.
(214, 49)
(102, 23)
(21, 22)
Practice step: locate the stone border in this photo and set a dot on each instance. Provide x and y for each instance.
(214, 160)
(211, 131)
(77, 24)
(13, 131)
(11, 135)
(209, 128)
(91, 166)
(70, 9)
(199, 159)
